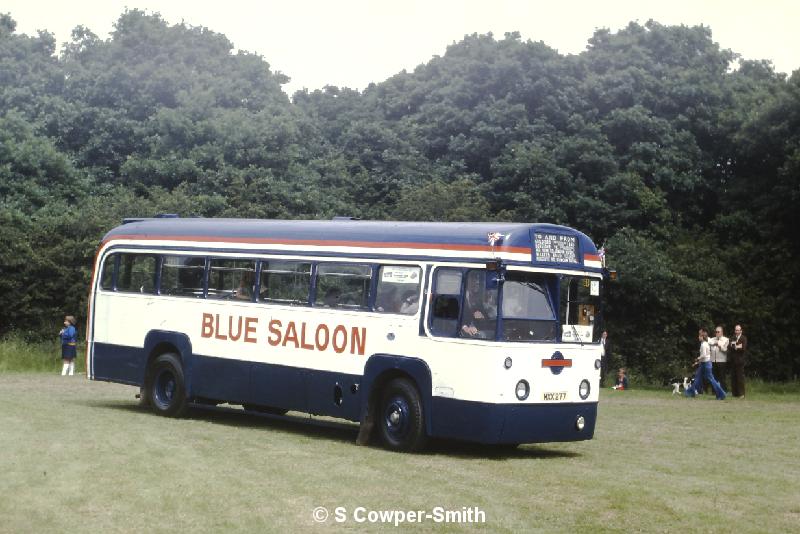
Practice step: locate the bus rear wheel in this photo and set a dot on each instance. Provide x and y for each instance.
(166, 389)
(401, 418)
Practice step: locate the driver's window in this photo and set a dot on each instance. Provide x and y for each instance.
(479, 315)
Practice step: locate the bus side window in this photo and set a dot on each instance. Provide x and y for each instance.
(182, 276)
(137, 273)
(107, 276)
(398, 289)
(285, 282)
(446, 305)
(343, 286)
(232, 279)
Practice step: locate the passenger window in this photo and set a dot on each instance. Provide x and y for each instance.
(137, 273)
(182, 276)
(285, 282)
(446, 306)
(232, 279)
(398, 289)
(107, 275)
(343, 286)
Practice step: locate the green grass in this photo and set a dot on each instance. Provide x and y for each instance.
(81, 456)
(20, 355)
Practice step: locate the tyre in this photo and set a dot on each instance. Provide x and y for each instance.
(401, 418)
(166, 389)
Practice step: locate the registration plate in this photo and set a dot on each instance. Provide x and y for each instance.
(555, 396)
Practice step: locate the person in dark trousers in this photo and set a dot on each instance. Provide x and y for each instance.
(69, 343)
(703, 363)
(737, 351)
(605, 356)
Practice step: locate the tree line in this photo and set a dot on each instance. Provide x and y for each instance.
(678, 156)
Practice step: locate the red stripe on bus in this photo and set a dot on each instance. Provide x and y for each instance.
(324, 243)
(556, 363)
(591, 257)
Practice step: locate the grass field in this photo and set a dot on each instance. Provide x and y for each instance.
(81, 456)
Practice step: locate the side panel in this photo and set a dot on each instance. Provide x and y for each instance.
(119, 363)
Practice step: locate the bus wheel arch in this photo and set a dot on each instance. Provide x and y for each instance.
(156, 344)
(165, 385)
(404, 382)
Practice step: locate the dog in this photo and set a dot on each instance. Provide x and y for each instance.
(676, 385)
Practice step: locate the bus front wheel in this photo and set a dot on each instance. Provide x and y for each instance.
(166, 389)
(402, 425)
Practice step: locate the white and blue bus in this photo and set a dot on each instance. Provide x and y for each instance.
(485, 332)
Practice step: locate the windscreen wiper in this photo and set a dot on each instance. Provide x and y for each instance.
(575, 331)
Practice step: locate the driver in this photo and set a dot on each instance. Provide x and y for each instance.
(480, 307)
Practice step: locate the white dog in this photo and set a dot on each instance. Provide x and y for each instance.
(676, 386)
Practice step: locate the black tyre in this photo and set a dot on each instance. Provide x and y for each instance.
(400, 417)
(166, 389)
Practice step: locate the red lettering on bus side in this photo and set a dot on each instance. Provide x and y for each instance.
(216, 328)
(274, 330)
(339, 348)
(250, 328)
(358, 340)
(303, 344)
(238, 328)
(207, 329)
(291, 335)
(322, 345)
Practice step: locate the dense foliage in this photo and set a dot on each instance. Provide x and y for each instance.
(679, 157)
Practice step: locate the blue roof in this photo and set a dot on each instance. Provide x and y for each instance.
(464, 236)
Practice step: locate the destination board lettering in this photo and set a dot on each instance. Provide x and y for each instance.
(555, 248)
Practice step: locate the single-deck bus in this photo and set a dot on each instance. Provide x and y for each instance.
(485, 332)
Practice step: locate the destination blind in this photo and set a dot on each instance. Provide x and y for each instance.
(555, 248)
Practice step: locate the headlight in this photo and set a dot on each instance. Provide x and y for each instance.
(580, 423)
(597, 364)
(507, 363)
(523, 390)
(584, 389)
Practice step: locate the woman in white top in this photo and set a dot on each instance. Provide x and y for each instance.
(703, 363)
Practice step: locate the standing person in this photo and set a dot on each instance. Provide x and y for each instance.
(703, 363)
(605, 356)
(737, 351)
(719, 355)
(69, 342)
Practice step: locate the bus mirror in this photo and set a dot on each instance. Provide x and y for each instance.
(493, 279)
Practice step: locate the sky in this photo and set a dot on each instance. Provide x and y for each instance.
(350, 43)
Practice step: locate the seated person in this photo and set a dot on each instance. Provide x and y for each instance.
(480, 308)
(622, 380)
(410, 303)
(246, 287)
(332, 296)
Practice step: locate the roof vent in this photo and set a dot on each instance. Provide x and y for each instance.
(345, 218)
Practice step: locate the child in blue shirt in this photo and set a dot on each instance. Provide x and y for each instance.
(69, 343)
